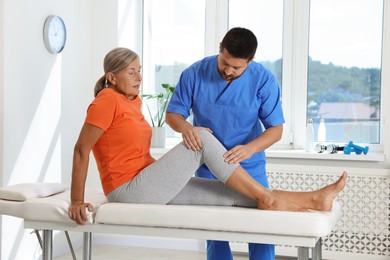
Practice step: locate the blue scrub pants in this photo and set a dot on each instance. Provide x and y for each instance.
(220, 250)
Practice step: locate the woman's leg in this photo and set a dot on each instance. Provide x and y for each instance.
(161, 181)
(321, 199)
(202, 191)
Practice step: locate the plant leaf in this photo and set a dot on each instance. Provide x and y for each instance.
(162, 100)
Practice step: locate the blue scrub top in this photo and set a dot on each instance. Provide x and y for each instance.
(235, 112)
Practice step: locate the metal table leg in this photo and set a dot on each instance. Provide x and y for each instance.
(303, 253)
(70, 245)
(36, 231)
(317, 250)
(87, 246)
(47, 250)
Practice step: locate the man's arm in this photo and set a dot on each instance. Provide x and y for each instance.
(265, 140)
(176, 122)
(189, 132)
(269, 137)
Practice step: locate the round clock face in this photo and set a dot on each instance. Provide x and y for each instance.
(54, 34)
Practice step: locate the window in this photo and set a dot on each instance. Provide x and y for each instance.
(332, 55)
(344, 68)
(329, 51)
(265, 18)
(269, 34)
(173, 39)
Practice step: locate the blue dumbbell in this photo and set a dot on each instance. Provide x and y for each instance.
(357, 147)
(348, 150)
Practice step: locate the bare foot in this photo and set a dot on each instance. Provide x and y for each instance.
(323, 199)
(320, 200)
(275, 202)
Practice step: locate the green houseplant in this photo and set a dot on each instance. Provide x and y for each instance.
(158, 119)
(162, 100)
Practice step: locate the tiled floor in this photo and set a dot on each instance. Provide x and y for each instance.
(102, 252)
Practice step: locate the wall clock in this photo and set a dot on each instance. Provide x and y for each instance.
(54, 34)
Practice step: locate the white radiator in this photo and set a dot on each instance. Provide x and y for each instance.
(363, 232)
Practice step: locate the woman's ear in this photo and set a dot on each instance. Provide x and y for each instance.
(111, 78)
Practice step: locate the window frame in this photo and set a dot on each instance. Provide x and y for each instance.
(295, 72)
(296, 15)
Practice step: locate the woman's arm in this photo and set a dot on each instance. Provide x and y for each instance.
(89, 135)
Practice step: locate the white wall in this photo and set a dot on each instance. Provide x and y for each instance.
(44, 97)
(1, 99)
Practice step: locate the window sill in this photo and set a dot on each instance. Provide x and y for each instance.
(291, 154)
(301, 154)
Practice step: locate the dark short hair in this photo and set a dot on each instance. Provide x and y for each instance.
(240, 43)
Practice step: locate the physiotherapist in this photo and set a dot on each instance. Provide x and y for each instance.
(238, 100)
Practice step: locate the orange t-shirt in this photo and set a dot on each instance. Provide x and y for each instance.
(124, 148)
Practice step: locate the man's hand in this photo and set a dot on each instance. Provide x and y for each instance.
(239, 153)
(191, 137)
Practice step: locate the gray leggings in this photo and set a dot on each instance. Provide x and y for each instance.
(170, 179)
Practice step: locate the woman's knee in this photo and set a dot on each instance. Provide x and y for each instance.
(207, 137)
(204, 134)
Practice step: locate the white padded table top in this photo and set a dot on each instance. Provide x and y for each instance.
(217, 218)
(52, 208)
(220, 218)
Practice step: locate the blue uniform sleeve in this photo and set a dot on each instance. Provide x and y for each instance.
(270, 112)
(182, 97)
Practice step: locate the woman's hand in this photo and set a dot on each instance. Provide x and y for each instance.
(77, 211)
(88, 137)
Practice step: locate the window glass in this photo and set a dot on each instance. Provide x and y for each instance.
(265, 19)
(174, 38)
(344, 69)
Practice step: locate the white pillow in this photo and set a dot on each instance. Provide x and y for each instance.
(24, 191)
